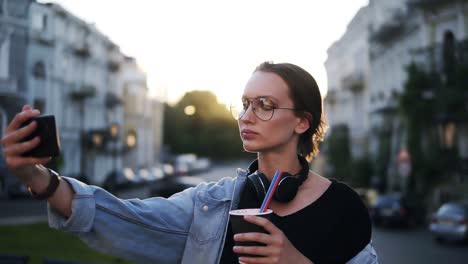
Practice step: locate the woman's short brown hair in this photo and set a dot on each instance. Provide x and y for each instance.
(306, 96)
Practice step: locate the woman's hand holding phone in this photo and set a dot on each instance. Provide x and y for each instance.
(13, 147)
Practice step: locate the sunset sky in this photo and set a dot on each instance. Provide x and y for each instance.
(215, 45)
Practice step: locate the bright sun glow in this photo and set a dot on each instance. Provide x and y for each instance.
(190, 110)
(215, 45)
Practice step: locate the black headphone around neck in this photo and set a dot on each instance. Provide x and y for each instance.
(287, 187)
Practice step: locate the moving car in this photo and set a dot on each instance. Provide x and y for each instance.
(450, 222)
(394, 210)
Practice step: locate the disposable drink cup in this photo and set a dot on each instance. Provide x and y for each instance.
(239, 225)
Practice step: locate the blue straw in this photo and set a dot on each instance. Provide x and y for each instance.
(272, 183)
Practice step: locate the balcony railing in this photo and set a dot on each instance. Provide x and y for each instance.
(43, 38)
(8, 86)
(391, 29)
(354, 82)
(112, 100)
(431, 58)
(82, 51)
(86, 91)
(429, 4)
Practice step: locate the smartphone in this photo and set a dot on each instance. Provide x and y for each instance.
(47, 131)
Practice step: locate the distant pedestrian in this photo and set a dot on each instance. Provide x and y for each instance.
(316, 220)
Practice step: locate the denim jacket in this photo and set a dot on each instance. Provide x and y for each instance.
(189, 227)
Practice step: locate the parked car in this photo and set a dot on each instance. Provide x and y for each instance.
(394, 210)
(184, 164)
(450, 222)
(146, 176)
(168, 186)
(120, 179)
(201, 165)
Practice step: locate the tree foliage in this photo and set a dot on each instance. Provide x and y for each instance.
(210, 131)
(432, 99)
(339, 152)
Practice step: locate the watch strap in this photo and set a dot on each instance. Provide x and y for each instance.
(51, 188)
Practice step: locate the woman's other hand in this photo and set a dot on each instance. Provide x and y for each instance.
(23, 167)
(278, 248)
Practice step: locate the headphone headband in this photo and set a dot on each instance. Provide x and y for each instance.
(302, 174)
(287, 187)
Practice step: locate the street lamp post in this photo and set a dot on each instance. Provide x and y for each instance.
(404, 167)
(114, 134)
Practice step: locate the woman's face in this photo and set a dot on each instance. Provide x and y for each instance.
(281, 130)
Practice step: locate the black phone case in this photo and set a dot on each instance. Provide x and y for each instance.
(48, 133)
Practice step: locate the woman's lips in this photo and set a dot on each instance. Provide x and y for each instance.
(248, 134)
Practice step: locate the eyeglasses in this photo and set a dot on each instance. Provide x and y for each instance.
(262, 107)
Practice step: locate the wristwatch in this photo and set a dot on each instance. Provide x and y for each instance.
(51, 188)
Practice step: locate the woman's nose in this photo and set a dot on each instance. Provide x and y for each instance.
(249, 113)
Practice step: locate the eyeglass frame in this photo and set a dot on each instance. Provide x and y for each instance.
(255, 113)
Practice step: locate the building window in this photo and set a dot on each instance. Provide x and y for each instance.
(39, 70)
(39, 22)
(39, 104)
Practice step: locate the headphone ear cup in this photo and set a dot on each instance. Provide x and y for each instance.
(287, 189)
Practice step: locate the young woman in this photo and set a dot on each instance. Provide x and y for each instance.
(316, 220)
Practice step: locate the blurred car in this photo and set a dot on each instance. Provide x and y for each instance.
(168, 186)
(157, 173)
(17, 190)
(120, 179)
(450, 222)
(146, 176)
(201, 165)
(183, 164)
(392, 210)
(168, 169)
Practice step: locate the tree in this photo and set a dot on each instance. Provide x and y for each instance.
(339, 152)
(209, 131)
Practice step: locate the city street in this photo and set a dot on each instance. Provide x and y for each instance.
(415, 246)
(393, 245)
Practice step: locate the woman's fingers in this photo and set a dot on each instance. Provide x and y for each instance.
(253, 250)
(20, 118)
(263, 222)
(20, 148)
(19, 134)
(257, 237)
(17, 162)
(257, 260)
(26, 107)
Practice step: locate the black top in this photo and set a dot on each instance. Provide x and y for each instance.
(333, 229)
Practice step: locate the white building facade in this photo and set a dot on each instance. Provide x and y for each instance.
(79, 75)
(392, 35)
(347, 69)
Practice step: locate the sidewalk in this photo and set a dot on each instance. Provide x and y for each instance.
(22, 211)
(22, 220)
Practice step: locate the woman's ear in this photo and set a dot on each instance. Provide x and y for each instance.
(304, 123)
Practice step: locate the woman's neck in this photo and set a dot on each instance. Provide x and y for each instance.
(268, 163)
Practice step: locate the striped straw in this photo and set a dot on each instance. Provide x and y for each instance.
(271, 191)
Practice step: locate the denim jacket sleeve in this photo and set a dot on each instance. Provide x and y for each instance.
(146, 231)
(366, 256)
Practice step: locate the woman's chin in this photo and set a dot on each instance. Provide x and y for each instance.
(251, 148)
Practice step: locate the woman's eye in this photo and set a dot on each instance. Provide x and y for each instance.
(266, 104)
